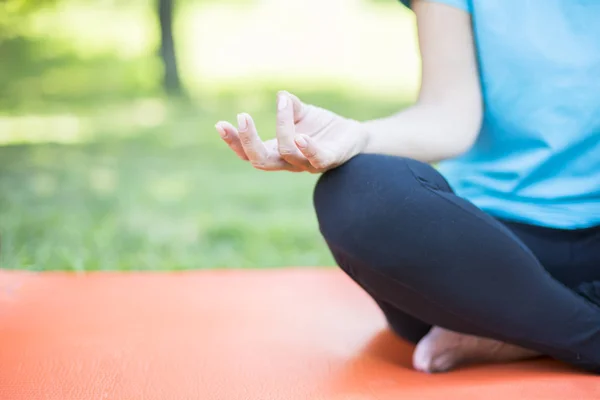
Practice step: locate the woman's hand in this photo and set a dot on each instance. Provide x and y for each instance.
(308, 138)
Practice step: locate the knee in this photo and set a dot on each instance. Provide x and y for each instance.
(361, 199)
(341, 193)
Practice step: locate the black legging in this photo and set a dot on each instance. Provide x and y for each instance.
(429, 257)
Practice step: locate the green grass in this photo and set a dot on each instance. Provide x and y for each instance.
(99, 172)
(166, 197)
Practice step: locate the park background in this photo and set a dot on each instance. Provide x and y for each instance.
(105, 164)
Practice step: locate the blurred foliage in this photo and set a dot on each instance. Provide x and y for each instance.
(99, 171)
(15, 8)
(43, 67)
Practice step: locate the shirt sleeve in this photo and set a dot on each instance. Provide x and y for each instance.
(464, 5)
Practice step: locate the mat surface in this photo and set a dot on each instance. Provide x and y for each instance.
(293, 334)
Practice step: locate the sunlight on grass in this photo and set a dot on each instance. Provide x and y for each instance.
(103, 180)
(119, 119)
(42, 128)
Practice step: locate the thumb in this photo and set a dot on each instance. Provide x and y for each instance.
(317, 156)
(300, 109)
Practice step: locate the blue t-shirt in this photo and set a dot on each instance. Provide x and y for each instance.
(537, 157)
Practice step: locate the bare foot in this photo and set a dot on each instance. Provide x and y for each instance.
(442, 350)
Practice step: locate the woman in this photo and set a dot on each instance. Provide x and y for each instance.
(495, 256)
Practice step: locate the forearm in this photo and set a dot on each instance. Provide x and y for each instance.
(425, 132)
(446, 119)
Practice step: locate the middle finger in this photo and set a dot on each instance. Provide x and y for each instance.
(260, 155)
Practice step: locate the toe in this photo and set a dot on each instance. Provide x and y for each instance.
(438, 351)
(443, 362)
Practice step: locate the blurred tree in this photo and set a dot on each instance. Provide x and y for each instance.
(12, 10)
(171, 80)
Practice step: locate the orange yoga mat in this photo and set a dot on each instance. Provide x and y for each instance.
(289, 334)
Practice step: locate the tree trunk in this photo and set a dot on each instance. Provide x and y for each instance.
(171, 81)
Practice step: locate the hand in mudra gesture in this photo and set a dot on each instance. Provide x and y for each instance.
(307, 138)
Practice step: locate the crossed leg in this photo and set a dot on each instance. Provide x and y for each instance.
(431, 258)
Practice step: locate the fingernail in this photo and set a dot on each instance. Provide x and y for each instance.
(242, 122)
(301, 141)
(282, 103)
(222, 132)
